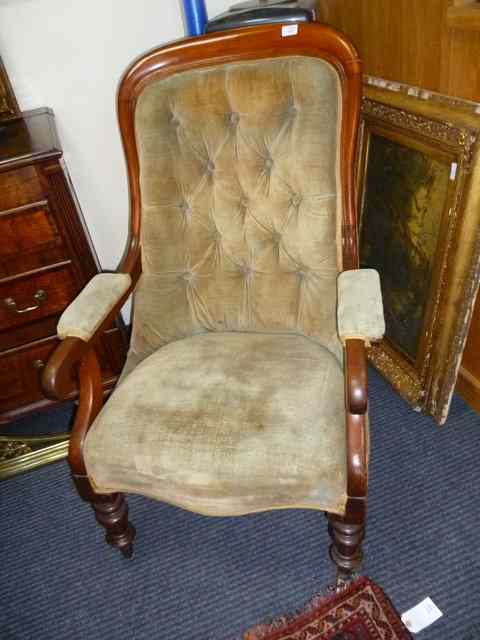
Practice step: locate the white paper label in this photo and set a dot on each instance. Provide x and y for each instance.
(289, 30)
(421, 616)
(453, 171)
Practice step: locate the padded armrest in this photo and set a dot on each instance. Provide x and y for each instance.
(360, 306)
(92, 305)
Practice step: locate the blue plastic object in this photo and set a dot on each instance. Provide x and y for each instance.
(195, 16)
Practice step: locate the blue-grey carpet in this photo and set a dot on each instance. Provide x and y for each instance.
(208, 578)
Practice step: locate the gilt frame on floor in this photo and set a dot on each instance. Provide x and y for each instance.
(435, 216)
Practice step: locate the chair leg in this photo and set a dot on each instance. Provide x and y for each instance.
(347, 535)
(111, 512)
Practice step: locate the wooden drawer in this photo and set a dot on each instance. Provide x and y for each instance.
(29, 240)
(46, 258)
(32, 298)
(20, 187)
(20, 373)
(21, 370)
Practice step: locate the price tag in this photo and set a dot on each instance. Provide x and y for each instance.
(289, 30)
(421, 616)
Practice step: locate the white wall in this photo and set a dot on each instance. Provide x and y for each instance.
(69, 55)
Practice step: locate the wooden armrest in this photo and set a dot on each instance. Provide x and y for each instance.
(356, 378)
(56, 377)
(356, 404)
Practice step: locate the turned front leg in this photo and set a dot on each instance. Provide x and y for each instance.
(346, 548)
(111, 512)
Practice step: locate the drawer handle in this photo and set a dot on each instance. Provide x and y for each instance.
(38, 364)
(40, 297)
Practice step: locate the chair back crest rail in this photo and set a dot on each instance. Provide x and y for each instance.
(261, 44)
(241, 45)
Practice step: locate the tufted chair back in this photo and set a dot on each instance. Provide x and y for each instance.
(241, 203)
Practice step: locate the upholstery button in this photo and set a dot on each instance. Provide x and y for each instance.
(187, 276)
(246, 270)
(295, 201)
(303, 273)
(277, 238)
(244, 202)
(292, 110)
(233, 119)
(175, 122)
(185, 207)
(268, 164)
(210, 167)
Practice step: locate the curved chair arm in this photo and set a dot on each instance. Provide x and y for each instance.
(356, 396)
(360, 321)
(360, 306)
(86, 313)
(356, 378)
(84, 320)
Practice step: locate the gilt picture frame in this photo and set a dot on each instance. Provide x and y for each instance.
(418, 184)
(8, 103)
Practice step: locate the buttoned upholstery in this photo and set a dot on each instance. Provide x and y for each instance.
(232, 398)
(238, 170)
(237, 395)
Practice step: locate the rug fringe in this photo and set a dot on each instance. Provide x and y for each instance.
(260, 631)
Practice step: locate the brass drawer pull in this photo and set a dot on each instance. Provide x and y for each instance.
(38, 364)
(40, 297)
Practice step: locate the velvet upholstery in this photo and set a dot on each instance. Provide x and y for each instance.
(238, 168)
(89, 309)
(232, 398)
(360, 306)
(226, 424)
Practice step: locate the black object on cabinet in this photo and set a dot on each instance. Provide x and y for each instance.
(255, 12)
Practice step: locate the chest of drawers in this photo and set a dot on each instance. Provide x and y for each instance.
(46, 258)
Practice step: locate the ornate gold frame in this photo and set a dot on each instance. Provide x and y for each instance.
(451, 127)
(8, 103)
(24, 453)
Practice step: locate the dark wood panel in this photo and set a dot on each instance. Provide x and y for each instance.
(27, 262)
(47, 327)
(29, 239)
(19, 187)
(12, 384)
(27, 299)
(20, 373)
(29, 139)
(21, 369)
(71, 225)
(46, 258)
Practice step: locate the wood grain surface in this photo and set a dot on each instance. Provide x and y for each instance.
(414, 42)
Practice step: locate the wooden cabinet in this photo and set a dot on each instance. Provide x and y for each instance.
(45, 260)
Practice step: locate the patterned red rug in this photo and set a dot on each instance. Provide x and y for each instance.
(361, 612)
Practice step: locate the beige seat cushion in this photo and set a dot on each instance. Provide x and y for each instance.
(227, 424)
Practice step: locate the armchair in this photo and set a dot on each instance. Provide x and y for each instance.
(245, 388)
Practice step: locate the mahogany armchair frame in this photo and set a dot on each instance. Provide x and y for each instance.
(73, 353)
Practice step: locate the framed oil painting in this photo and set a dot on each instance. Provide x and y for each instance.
(419, 204)
(8, 103)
